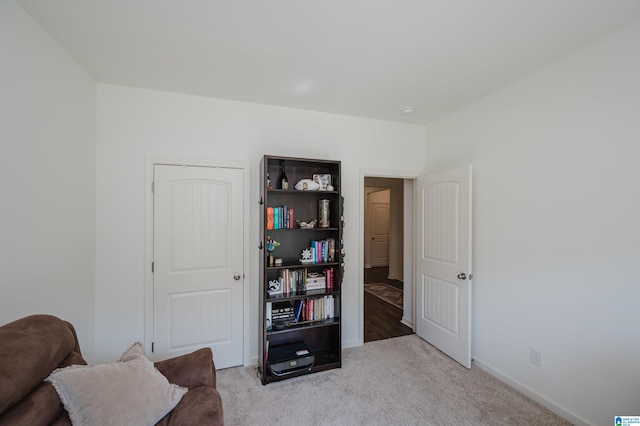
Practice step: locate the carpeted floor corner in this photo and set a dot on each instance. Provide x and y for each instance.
(399, 381)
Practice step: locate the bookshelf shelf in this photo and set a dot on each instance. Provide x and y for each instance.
(333, 322)
(300, 192)
(303, 229)
(299, 295)
(290, 313)
(288, 264)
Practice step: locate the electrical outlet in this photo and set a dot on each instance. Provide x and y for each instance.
(536, 357)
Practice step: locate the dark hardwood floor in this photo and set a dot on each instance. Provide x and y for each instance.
(381, 319)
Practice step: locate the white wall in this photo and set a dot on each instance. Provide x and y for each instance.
(47, 178)
(135, 123)
(557, 227)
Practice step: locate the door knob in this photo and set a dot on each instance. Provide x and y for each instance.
(236, 277)
(462, 276)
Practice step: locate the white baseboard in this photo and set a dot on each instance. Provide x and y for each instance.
(396, 277)
(407, 322)
(559, 410)
(351, 344)
(252, 361)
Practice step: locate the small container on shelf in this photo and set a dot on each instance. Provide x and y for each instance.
(323, 213)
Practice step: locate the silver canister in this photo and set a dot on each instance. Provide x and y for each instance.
(324, 214)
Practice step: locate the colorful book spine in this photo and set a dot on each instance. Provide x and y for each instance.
(270, 218)
(298, 310)
(285, 217)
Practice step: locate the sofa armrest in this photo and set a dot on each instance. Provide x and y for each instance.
(199, 406)
(190, 370)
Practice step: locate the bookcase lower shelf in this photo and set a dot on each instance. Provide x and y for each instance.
(324, 360)
(322, 339)
(307, 324)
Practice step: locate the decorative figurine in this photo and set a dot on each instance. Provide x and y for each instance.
(271, 246)
(307, 185)
(306, 225)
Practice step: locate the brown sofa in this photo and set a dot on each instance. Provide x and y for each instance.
(32, 347)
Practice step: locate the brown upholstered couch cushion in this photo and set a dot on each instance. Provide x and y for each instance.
(32, 347)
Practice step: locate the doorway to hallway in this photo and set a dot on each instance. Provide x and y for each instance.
(387, 274)
(382, 306)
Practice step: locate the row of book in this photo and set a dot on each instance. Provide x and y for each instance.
(315, 309)
(280, 218)
(323, 250)
(298, 280)
(282, 314)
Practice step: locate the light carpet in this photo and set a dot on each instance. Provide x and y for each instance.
(386, 292)
(399, 381)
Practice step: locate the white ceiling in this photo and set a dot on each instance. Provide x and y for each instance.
(364, 58)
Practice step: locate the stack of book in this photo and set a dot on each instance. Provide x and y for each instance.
(315, 282)
(279, 313)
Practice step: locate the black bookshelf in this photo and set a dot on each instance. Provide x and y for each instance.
(317, 324)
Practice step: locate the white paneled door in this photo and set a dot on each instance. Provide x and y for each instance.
(198, 262)
(444, 262)
(380, 225)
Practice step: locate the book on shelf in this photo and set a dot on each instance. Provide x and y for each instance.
(270, 218)
(292, 281)
(318, 308)
(298, 310)
(302, 310)
(323, 250)
(280, 217)
(268, 316)
(282, 312)
(285, 217)
(329, 277)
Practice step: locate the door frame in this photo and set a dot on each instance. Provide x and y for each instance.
(409, 178)
(150, 162)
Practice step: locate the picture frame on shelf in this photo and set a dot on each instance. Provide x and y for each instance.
(324, 180)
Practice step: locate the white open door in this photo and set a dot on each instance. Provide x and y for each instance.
(443, 266)
(198, 262)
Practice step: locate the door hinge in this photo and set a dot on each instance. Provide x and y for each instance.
(153, 187)
(153, 264)
(152, 346)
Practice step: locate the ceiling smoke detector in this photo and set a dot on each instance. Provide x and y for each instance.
(408, 110)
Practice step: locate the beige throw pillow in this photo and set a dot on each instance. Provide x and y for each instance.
(128, 392)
